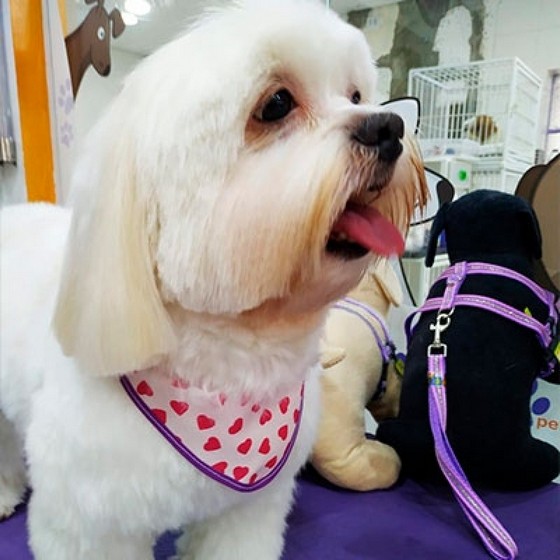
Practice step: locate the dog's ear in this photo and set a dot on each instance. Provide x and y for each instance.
(109, 315)
(438, 226)
(532, 232)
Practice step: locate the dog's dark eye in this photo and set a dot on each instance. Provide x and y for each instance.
(277, 107)
(356, 97)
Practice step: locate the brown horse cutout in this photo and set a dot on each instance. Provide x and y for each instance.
(89, 44)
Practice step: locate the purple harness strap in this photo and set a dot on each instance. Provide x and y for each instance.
(494, 536)
(456, 274)
(386, 348)
(486, 268)
(490, 304)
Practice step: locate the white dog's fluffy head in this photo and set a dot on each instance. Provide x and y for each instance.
(215, 178)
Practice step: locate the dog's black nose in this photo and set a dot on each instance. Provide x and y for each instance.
(382, 131)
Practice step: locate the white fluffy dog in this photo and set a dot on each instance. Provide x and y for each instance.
(231, 192)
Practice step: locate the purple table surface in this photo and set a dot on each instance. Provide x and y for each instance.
(409, 521)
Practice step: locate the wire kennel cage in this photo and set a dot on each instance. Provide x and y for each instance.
(487, 109)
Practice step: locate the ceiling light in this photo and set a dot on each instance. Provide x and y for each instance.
(137, 7)
(129, 19)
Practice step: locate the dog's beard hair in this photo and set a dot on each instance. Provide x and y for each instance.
(407, 189)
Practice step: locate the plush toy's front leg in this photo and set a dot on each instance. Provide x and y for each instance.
(342, 453)
(252, 530)
(12, 469)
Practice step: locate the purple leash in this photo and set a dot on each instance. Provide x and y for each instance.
(494, 536)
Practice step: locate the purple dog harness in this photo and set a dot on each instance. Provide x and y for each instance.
(496, 539)
(236, 441)
(386, 346)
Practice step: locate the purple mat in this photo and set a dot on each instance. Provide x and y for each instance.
(408, 521)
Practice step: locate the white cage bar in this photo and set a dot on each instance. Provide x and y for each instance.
(485, 109)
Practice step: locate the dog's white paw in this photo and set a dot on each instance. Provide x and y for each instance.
(13, 481)
(11, 495)
(181, 548)
(6, 510)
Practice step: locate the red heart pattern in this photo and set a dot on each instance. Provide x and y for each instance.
(212, 444)
(284, 404)
(240, 439)
(240, 472)
(220, 467)
(236, 427)
(179, 407)
(245, 446)
(160, 414)
(266, 416)
(264, 447)
(283, 432)
(271, 462)
(143, 388)
(205, 422)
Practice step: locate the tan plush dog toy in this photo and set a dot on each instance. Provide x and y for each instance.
(355, 341)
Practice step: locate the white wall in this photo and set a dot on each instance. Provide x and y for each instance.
(531, 32)
(528, 30)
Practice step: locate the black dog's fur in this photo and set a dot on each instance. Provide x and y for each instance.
(492, 362)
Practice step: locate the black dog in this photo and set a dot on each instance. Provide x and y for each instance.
(492, 362)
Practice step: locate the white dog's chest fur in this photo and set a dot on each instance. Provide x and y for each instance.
(137, 464)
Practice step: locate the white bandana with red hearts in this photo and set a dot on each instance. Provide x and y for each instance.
(236, 441)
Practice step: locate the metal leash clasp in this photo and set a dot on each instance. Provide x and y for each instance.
(443, 320)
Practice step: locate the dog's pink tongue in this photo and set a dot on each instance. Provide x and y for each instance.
(370, 229)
